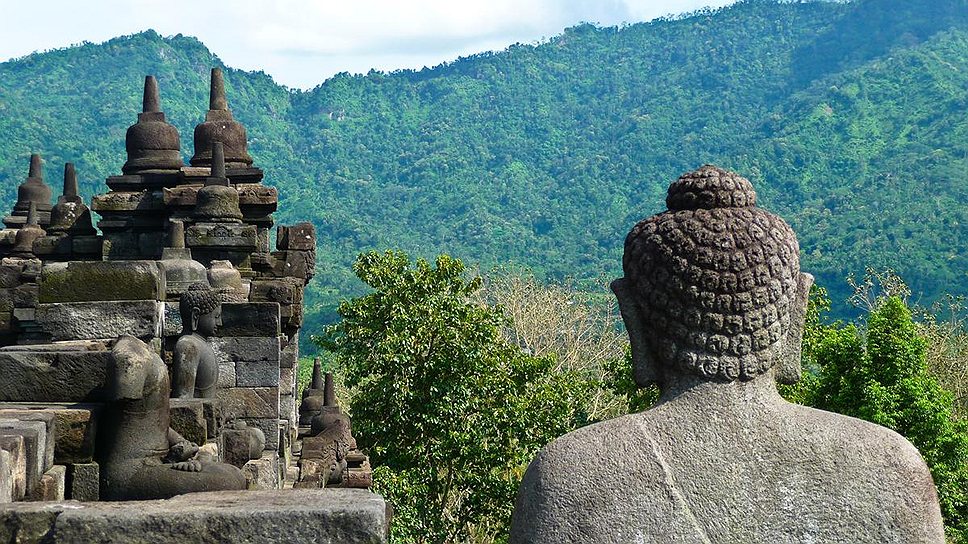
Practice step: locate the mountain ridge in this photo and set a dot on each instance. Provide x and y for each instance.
(545, 155)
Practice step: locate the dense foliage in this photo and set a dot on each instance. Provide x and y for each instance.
(880, 374)
(449, 410)
(848, 117)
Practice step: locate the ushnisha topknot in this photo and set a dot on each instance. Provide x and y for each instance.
(708, 188)
(715, 276)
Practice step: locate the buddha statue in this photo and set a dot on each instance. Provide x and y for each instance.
(714, 301)
(194, 367)
(220, 126)
(152, 143)
(141, 457)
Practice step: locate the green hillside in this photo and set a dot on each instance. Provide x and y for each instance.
(848, 117)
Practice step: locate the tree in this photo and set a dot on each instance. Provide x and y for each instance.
(880, 374)
(450, 411)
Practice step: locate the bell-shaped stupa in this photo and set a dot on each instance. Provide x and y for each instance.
(152, 143)
(220, 126)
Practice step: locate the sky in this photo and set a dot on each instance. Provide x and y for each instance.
(300, 43)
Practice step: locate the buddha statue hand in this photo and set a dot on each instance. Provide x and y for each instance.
(182, 450)
(188, 466)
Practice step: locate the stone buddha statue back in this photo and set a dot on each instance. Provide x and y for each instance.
(713, 300)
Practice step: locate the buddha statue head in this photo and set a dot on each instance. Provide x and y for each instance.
(201, 310)
(713, 286)
(220, 126)
(152, 143)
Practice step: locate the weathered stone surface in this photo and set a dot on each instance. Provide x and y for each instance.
(52, 485)
(246, 348)
(74, 431)
(47, 417)
(264, 373)
(83, 481)
(221, 235)
(344, 516)
(52, 376)
(287, 407)
(284, 291)
(172, 321)
(301, 236)
(269, 428)
(13, 468)
(249, 319)
(188, 419)
(226, 374)
(289, 356)
(263, 473)
(107, 319)
(26, 296)
(287, 380)
(90, 281)
(236, 446)
(714, 302)
(34, 435)
(250, 402)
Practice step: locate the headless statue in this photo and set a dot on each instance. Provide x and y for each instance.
(140, 456)
(194, 367)
(714, 301)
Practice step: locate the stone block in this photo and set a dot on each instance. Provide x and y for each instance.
(226, 374)
(6, 299)
(47, 417)
(53, 485)
(83, 482)
(300, 516)
(24, 314)
(40, 373)
(263, 373)
(105, 319)
(284, 291)
(287, 407)
(213, 415)
(221, 235)
(74, 429)
(289, 356)
(188, 419)
(28, 522)
(10, 275)
(269, 427)
(249, 319)
(246, 348)
(263, 473)
(235, 447)
(287, 380)
(35, 442)
(301, 236)
(13, 468)
(250, 402)
(171, 320)
(88, 281)
(26, 296)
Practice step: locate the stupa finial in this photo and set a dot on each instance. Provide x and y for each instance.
(217, 100)
(152, 97)
(36, 168)
(70, 181)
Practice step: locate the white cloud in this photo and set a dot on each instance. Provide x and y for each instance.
(302, 42)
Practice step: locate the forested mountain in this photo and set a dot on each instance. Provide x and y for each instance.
(849, 118)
